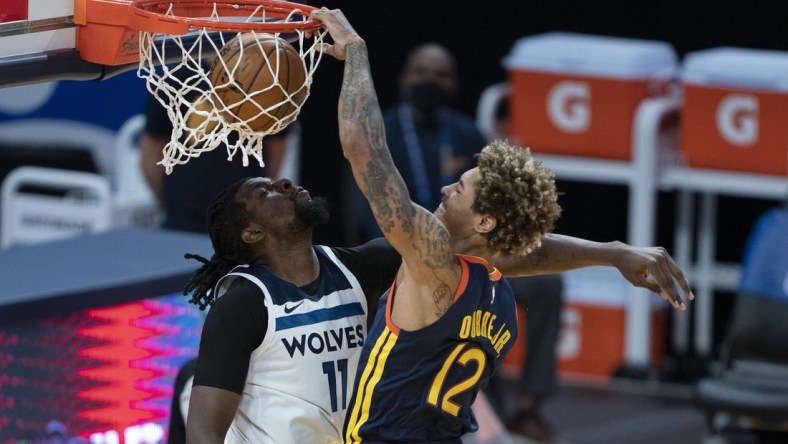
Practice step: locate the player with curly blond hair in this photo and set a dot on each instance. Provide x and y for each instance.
(520, 193)
(443, 328)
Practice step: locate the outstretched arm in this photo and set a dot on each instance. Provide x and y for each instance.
(648, 267)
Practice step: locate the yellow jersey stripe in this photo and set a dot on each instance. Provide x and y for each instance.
(369, 379)
(359, 391)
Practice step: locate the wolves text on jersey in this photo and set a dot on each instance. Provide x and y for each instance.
(326, 341)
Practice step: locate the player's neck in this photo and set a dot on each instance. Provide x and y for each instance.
(474, 246)
(294, 263)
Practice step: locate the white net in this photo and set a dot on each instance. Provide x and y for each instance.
(209, 110)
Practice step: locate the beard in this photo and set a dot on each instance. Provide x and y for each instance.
(312, 213)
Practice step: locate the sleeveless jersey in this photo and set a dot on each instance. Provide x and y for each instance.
(299, 380)
(418, 386)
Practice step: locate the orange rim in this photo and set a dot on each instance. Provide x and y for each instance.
(151, 16)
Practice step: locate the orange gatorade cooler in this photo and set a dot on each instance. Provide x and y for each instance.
(735, 110)
(593, 330)
(592, 338)
(577, 94)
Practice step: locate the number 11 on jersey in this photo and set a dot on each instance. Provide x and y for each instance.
(330, 369)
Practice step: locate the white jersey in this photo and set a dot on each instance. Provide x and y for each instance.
(301, 377)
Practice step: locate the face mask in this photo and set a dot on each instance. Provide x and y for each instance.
(427, 97)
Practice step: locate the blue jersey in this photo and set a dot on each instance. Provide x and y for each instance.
(418, 386)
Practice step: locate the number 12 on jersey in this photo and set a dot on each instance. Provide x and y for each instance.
(441, 396)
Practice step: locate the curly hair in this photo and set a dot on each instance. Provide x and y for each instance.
(520, 193)
(227, 217)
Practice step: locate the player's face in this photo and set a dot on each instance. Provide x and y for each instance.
(456, 208)
(280, 202)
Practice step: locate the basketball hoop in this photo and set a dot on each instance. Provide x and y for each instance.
(176, 41)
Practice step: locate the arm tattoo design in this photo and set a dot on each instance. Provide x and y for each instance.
(433, 243)
(375, 181)
(384, 188)
(442, 298)
(537, 257)
(388, 197)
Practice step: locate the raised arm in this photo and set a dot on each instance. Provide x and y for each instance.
(648, 267)
(413, 231)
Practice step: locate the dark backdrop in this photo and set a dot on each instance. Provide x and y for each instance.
(481, 34)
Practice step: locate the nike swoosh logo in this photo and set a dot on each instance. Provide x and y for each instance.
(291, 308)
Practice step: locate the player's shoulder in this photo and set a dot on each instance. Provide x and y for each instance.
(374, 250)
(241, 295)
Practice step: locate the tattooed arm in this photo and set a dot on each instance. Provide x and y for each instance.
(430, 267)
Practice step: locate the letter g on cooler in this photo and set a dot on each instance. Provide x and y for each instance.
(568, 106)
(737, 119)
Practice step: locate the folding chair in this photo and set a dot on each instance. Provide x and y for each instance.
(749, 391)
(42, 204)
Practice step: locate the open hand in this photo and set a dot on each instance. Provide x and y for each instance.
(653, 268)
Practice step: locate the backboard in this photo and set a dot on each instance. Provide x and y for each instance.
(40, 41)
(50, 40)
(38, 44)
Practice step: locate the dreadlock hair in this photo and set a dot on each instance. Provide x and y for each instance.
(520, 193)
(227, 218)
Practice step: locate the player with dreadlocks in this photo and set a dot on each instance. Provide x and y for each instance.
(286, 321)
(225, 215)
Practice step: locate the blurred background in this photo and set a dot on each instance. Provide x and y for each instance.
(482, 36)
(76, 302)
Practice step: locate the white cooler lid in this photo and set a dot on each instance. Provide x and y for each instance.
(593, 55)
(602, 287)
(737, 67)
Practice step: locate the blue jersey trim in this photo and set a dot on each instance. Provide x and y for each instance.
(317, 316)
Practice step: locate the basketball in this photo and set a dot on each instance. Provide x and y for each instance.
(197, 120)
(259, 81)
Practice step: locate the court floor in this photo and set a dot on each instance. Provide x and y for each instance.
(633, 411)
(624, 411)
